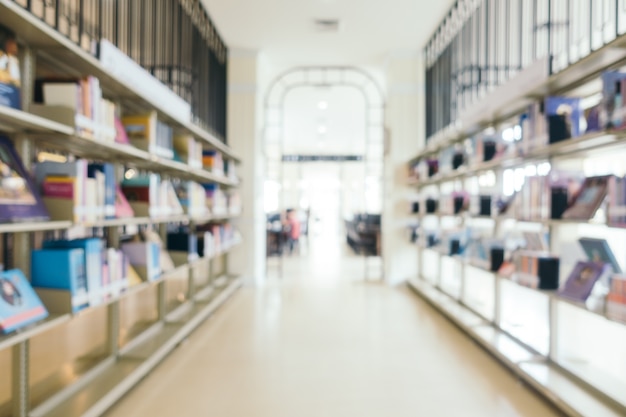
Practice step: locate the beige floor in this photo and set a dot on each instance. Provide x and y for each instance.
(322, 342)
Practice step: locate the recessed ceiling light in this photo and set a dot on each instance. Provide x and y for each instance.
(323, 105)
(322, 130)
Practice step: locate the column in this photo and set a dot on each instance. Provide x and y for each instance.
(244, 137)
(405, 123)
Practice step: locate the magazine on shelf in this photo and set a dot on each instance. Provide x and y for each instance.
(19, 198)
(19, 303)
(590, 197)
(581, 281)
(598, 250)
(10, 78)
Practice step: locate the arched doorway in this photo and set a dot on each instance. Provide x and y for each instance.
(368, 149)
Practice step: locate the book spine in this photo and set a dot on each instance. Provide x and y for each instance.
(59, 189)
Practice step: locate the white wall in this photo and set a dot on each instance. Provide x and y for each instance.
(405, 123)
(245, 72)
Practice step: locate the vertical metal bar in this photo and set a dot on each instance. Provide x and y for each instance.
(20, 383)
(81, 20)
(553, 347)
(161, 300)
(549, 28)
(113, 327)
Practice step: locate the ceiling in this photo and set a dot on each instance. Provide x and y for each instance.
(369, 30)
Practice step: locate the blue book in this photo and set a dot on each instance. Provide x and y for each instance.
(109, 186)
(93, 248)
(19, 303)
(62, 269)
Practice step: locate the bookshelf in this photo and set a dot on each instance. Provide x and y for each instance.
(102, 351)
(569, 351)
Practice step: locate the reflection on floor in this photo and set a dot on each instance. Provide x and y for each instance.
(323, 342)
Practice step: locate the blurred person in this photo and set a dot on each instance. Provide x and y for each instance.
(293, 229)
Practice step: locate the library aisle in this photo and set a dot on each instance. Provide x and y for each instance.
(322, 342)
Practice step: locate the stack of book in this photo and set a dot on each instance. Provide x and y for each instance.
(146, 132)
(70, 275)
(550, 121)
(213, 161)
(150, 196)
(77, 103)
(216, 200)
(188, 150)
(616, 299)
(193, 199)
(77, 191)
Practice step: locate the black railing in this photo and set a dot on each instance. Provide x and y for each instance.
(482, 44)
(173, 39)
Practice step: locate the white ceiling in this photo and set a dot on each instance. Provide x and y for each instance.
(284, 30)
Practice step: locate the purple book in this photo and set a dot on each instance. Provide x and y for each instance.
(581, 281)
(19, 198)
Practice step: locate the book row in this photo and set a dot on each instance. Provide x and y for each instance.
(549, 121)
(81, 191)
(597, 280)
(558, 195)
(71, 275)
(80, 104)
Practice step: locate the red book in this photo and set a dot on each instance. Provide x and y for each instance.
(139, 193)
(59, 189)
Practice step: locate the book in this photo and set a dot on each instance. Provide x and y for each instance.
(62, 269)
(165, 261)
(598, 250)
(74, 171)
(564, 116)
(123, 208)
(19, 198)
(148, 133)
(189, 150)
(10, 78)
(93, 249)
(616, 298)
(581, 281)
(144, 195)
(105, 173)
(144, 256)
(19, 303)
(590, 197)
(612, 114)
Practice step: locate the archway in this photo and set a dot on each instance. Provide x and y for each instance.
(373, 149)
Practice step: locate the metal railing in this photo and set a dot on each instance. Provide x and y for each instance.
(175, 40)
(482, 44)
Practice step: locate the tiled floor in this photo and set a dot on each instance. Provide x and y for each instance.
(323, 342)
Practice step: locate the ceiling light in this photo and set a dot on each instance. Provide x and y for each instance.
(323, 105)
(322, 130)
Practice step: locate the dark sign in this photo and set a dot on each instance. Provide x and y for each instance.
(322, 158)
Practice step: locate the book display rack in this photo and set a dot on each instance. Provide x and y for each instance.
(519, 192)
(115, 169)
